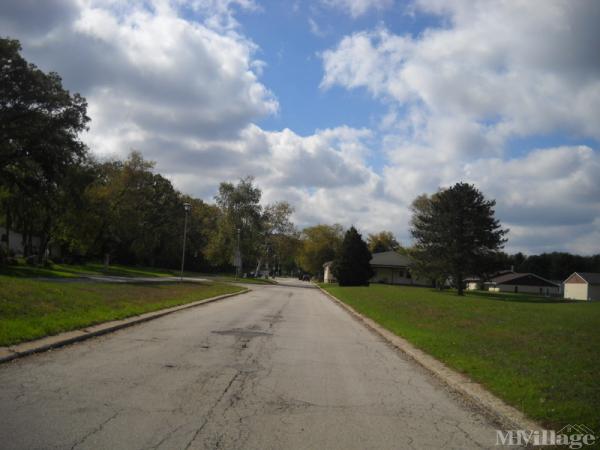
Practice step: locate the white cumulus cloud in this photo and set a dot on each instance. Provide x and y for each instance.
(460, 95)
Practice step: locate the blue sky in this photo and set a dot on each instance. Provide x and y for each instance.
(348, 109)
(294, 69)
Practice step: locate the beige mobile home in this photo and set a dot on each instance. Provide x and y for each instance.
(393, 268)
(583, 286)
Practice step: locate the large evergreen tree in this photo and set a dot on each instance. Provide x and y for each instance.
(352, 267)
(455, 232)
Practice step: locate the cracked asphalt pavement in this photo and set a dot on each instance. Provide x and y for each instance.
(282, 367)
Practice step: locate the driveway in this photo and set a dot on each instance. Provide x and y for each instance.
(282, 367)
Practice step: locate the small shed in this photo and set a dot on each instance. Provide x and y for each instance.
(328, 273)
(529, 283)
(583, 286)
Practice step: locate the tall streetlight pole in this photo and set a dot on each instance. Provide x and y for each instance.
(187, 207)
(238, 256)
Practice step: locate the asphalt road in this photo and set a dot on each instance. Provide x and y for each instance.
(282, 367)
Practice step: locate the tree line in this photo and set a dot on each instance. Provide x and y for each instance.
(55, 193)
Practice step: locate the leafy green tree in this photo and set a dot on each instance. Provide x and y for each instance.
(276, 225)
(132, 215)
(352, 266)
(556, 265)
(241, 214)
(383, 241)
(286, 247)
(320, 243)
(40, 149)
(202, 225)
(261, 230)
(454, 231)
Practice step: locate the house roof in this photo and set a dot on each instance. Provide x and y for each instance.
(589, 277)
(390, 259)
(525, 279)
(472, 279)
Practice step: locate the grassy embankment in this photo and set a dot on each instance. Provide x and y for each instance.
(540, 355)
(79, 270)
(95, 269)
(31, 308)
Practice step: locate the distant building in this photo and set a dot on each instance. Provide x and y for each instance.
(327, 273)
(476, 283)
(473, 283)
(392, 268)
(583, 286)
(528, 283)
(13, 242)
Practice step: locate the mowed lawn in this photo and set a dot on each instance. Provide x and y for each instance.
(30, 308)
(540, 355)
(79, 270)
(97, 269)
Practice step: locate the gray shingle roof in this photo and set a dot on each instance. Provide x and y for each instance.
(390, 259)
(525, 278)
(590, 277)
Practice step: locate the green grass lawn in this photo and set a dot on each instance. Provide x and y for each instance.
(82, 270)
(78, 270)
(540, 355)
(31, 308)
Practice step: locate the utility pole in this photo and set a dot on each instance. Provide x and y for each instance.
(187, 207)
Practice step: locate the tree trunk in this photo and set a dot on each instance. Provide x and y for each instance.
(42, 256)
(8, 227)
(258, 267)
(459, 283)
(25, 242)
(45, 237)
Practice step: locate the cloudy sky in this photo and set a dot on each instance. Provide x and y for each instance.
(348, 109)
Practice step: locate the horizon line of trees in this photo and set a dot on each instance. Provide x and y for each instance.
(52, 188)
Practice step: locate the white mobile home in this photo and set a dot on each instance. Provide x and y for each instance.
(583, 286)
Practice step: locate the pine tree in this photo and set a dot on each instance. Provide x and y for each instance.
(352, 267)
(455, 232)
